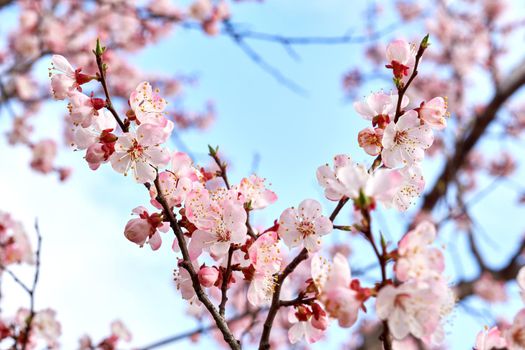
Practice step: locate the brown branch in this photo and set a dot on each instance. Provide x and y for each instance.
(515, 79)
(402, 89)
(225, 281)
(188, 266)
(264, 343)
(31, 292)
(102, 78)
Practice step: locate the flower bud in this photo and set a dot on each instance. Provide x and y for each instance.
(137, 231)
(208, 276)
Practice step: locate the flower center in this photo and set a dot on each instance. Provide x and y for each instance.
(401, 137)
(136, 150)
(306, 228)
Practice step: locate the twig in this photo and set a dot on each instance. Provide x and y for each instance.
(225, 281)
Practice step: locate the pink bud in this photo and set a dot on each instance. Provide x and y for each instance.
(95, 155)
(137, 231)
(208, 276)
(320, 323)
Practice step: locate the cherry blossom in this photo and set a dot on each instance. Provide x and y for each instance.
(146, 227)
(433, 113)
(515, 334)
(404, 142)
(255, 193)
(266, 259)
(307, 323)
(415, 307)
(304, 226)
(220, 223)
(139, 151)
(44, 154)
(489, 339)
(401, 57)
(84, 109)
(334, 282)
(208, 275)
(379, 107)
(67, 79)
(352, 180)
(417, 258)
(177, 183)
(370, 140)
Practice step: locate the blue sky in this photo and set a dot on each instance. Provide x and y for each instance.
(92, 275)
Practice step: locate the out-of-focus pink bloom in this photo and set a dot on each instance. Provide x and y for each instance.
(141, 152)
(44, 153)
(489, 339)
(489, 289)
(20, 132)
(255, 193)
(120, 331)
(44, 326)
(433, 113)
(15, 244)
(404, 142)
(410, 186)
(416, 307)
(401, 57)
(304, 226)
(515, 335)
(417, 258)
(146, 227)
(370, 140)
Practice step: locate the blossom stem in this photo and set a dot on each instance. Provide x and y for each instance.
(109, 104)
(225, 281)
(264, 343)
(401, 90)
(188, 266)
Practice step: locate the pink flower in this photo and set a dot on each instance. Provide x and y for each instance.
(67, 80)
(304, 226)
(404, 142)
(352, 180)
(15, 244)
(489, 289)
(266, 260)
(489, 339)
(379, 107)
(401, 57)
(307, 323)
(146, 227)
(515, 335)
(416, 307)
(220, 222)
(370, 140)
(255, 193)
(177, 183)
(44, 153)
(208, 275)
(140, 152)
(84, 109)
(417, 259)
(433, 113)
(44, 326)
(148, 105)
(120, 331)
(410, 184)
(334, 282)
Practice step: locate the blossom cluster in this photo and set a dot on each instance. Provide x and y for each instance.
(222, 253)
